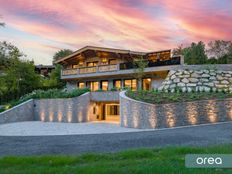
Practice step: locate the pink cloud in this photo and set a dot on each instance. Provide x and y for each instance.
(148, 25)
(200, 20)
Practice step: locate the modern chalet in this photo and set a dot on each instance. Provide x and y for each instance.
(108, 69)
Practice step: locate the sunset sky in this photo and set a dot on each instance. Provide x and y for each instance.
(42, 27)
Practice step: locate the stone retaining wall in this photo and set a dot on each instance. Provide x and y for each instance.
(73, 110)
(136, 114)
(198, 80)
(21, 112)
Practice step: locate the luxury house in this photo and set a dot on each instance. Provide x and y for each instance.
(106, 69)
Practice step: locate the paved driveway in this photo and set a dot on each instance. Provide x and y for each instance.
(37, 128)
(76, 144)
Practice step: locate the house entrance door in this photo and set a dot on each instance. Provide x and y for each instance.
(112, 112)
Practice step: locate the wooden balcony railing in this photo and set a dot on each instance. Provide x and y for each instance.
(69, 72)
(106, 68)
(87, 70)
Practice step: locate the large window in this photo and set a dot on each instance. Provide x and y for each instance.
(81, 85)
(90, 64)
(112, 61)
(75, 66)
(131, 83)
(147, 84)
(117, 84)
(112, 110)
(104, 85)
(94, 86)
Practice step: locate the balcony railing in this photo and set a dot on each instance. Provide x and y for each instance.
(106, 68)
(87, 70)
(69, 72)
(93, 69)
(117, 67)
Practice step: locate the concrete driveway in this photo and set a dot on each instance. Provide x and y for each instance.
(203, 135)
(37, 128)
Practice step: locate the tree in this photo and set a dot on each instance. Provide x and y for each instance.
(220, 50)
(178, 50)
(8, 53)
(62, 53)
(54, 80)
(21, 77)
(195, 54)
(140, 64)
(17, 75)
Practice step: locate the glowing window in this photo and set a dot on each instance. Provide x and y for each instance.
(81, 85)
(112, 61)
(89, 64)
(147, 84)
(75, 66)
(132, 84)
(117, 84)
(112, 110)
(104, 85)
(94, 86)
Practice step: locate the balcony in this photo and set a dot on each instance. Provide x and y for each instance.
(118, 69)
(88, 70)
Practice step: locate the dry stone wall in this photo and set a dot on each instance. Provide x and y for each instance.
(197, 80)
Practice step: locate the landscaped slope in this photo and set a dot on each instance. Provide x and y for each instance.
(159, 97)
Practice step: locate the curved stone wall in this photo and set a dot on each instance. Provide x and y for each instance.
(21, 112)
(198, 80)
(136, 114)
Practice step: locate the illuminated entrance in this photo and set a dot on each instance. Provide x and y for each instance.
(112, 112)
(108, 111)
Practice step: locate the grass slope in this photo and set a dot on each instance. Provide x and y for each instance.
(149, 161)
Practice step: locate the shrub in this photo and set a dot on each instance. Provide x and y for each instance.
(51, 93)
(99, 90)
(113, 89)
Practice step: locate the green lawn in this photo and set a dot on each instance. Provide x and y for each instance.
(150, 161)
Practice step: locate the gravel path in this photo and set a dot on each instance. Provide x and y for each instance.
(75, 144)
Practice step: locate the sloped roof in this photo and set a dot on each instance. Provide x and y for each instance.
(122, 51)
(99, 49)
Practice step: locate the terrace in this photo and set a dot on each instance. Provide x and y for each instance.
(119, 69)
